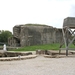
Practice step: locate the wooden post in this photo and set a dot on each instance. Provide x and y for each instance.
(67, 41)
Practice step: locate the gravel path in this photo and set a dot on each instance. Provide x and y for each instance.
(39, 66)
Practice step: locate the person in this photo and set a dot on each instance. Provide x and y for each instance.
(4, 47)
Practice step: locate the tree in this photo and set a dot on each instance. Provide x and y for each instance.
(4, 35)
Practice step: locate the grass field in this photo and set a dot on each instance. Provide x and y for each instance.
(42, 47)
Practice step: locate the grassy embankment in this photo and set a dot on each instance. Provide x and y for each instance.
(42, 47)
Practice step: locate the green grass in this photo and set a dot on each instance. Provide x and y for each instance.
(42, 47)
(54, 46)
(71, 46)
(35, 25)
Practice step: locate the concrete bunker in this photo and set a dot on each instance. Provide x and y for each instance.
(34, 34)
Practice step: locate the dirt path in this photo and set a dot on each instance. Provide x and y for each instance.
(39, 66)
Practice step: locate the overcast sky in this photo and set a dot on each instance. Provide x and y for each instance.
(49, 12)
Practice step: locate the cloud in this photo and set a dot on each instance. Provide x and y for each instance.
(50, 12)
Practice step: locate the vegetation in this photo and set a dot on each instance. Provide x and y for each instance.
(36, 25)
(42, 47)
(4, 35)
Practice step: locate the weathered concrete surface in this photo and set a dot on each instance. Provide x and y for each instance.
(33, 34)
(43, 52)
(13, 54)
(69, 22)
(18, 58)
